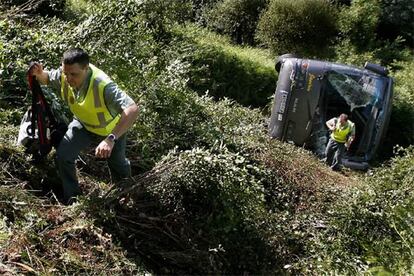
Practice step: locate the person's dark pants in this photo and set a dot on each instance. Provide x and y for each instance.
(334, 151)
(76, 139)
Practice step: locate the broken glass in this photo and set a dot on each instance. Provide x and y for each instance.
(356, 93)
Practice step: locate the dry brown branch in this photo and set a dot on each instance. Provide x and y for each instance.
(25, 7)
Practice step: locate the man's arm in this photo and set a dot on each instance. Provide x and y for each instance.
(331, 124)
(351, 137)
(128, 117)
(349, 141)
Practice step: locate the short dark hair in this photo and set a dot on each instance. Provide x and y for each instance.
(75, 55)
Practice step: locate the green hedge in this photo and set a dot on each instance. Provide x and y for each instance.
(304, 27)
(397, 19)
(236, 18)
(401, 129)
(358, 23)
(221, 69)
(371, 230)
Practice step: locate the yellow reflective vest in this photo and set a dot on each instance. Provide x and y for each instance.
(340, 134)
(91, 111)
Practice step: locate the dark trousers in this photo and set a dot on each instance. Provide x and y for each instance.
(334, 151)
(76, 139)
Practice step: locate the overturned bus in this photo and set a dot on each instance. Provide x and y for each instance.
(310, 92)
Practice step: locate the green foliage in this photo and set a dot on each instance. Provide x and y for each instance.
(401, 129)
(173, 116)
(110, 49)
(78, 10)
(170, 116)
(47, 8)
(358, 23)
(347, 53)
(372, 228)
(219, 194)
(10, 116)
(160, 15)
(236, 18)
(19, 45)
(362, 38)
(397, 19)
(224, 207)
(247, 203)
(394, 188)
(221, 69)
(304, 27)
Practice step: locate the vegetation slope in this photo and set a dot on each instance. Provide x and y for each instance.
(211, 193)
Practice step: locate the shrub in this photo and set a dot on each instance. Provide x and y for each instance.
(236, 18)
(347, 53)
(19, 45)
(358, 23)
(304, 27)
(160, 15)
(220, 195)
(397, 19)
(401, 129)
(371, 229)
(243, 74)
(45, 8)
(215, 211)
(363, 34)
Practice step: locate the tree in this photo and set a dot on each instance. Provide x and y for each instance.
(236, 18)
(304, 27)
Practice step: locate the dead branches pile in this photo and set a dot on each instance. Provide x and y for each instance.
(164, 240)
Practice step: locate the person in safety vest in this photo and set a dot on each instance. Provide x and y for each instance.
(342, 135)
(102, 115)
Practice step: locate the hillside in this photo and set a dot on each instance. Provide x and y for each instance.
(210, 192)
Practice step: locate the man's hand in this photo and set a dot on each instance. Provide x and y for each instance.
(104, 149)
(41, 75)
(36, 69)
(349, 142)
(331, 127)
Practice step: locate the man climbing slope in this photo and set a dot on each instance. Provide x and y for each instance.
(102, 115)
(343, 133)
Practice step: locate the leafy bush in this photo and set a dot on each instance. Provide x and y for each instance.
(48, 8)
(200, 8)
(371, 229)
(215, 211)
(304, 27)
(347, 53)
(219, 195)
(122, 57)
(397, 19)
(160, 15)
(358, 23)
(236, 18)
(220, 69)
(19, 45)
(401, 129)
(362, 37)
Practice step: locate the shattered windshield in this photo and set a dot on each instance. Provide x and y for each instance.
(358, 90)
